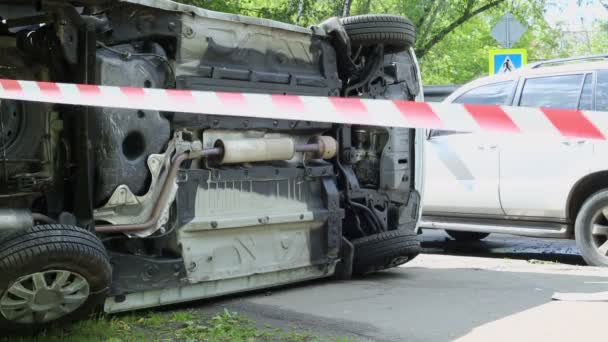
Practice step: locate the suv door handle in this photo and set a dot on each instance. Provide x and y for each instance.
(571, 143)
(487, 147)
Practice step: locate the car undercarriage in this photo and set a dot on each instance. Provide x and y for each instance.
(140, 208)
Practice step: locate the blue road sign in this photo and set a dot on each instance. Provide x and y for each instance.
(507, 60)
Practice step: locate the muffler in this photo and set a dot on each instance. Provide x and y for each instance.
(260, 150)
(15, 219)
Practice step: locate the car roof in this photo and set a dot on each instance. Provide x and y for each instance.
(531, 70)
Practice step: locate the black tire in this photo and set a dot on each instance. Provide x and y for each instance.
(397, 33)
(384, 250)
(588, 243)
(466, 236)
(47, 249)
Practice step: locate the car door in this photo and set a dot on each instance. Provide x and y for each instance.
(462, 170)
(600, 147)
(537, 173)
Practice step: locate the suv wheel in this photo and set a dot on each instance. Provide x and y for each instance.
(466, 236)
(397, 33)
(591, 229)
(50, 274)
(384, 250)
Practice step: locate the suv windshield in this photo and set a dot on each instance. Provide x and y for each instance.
(496, 94)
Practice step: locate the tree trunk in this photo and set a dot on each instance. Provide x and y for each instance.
(432, 10)
(299, 12)
(346, 8)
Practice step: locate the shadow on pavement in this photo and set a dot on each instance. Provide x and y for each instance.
(504, 246)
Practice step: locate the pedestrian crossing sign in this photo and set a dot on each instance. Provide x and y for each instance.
(507, 60)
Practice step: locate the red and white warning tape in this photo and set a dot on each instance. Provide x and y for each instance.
(389, 113)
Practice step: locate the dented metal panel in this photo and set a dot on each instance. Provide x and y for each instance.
(147, 299)
(244, 251)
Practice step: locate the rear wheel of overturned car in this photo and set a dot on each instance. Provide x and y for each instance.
(384, 250)
(466, 236)
(50, 274)
(395, 32)
(591, 229)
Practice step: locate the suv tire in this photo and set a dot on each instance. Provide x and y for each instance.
(50, 274)
(384, 250)
(397, 33)
(591, 229)
(466, 236)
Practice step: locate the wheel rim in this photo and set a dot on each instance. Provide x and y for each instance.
(599, 232)
(11, 120)
(44, 296)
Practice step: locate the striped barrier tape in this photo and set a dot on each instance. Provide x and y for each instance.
(389, 113)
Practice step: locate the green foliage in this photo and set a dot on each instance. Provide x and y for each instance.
(460, 56)
(274, 9)
(463, 54)
(585, 42)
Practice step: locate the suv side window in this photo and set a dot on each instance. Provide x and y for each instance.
(489, 94)
(552, 92)
(601, 91)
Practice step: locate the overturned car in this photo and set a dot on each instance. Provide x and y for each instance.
(131, 209)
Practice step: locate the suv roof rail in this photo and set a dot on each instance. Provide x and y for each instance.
(569, 59)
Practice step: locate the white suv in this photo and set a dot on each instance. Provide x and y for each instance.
(482, 183)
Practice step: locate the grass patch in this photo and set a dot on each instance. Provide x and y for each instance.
(184, 326)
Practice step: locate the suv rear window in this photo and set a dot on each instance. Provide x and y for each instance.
(552, 92)
(491, 94)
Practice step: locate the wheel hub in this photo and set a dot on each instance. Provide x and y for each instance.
(599, 232)
(48, 297)
(44, 296)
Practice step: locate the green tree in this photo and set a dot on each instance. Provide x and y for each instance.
(462, 55)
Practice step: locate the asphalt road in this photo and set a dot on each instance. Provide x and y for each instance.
(497, 290)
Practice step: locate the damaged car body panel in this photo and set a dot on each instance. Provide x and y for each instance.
(175, 206)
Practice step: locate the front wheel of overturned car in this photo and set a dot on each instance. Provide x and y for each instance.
(384, 250)
(395, 32)
(50, 274)
(591, 229)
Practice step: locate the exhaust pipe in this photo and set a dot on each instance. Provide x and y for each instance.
(164, 194)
